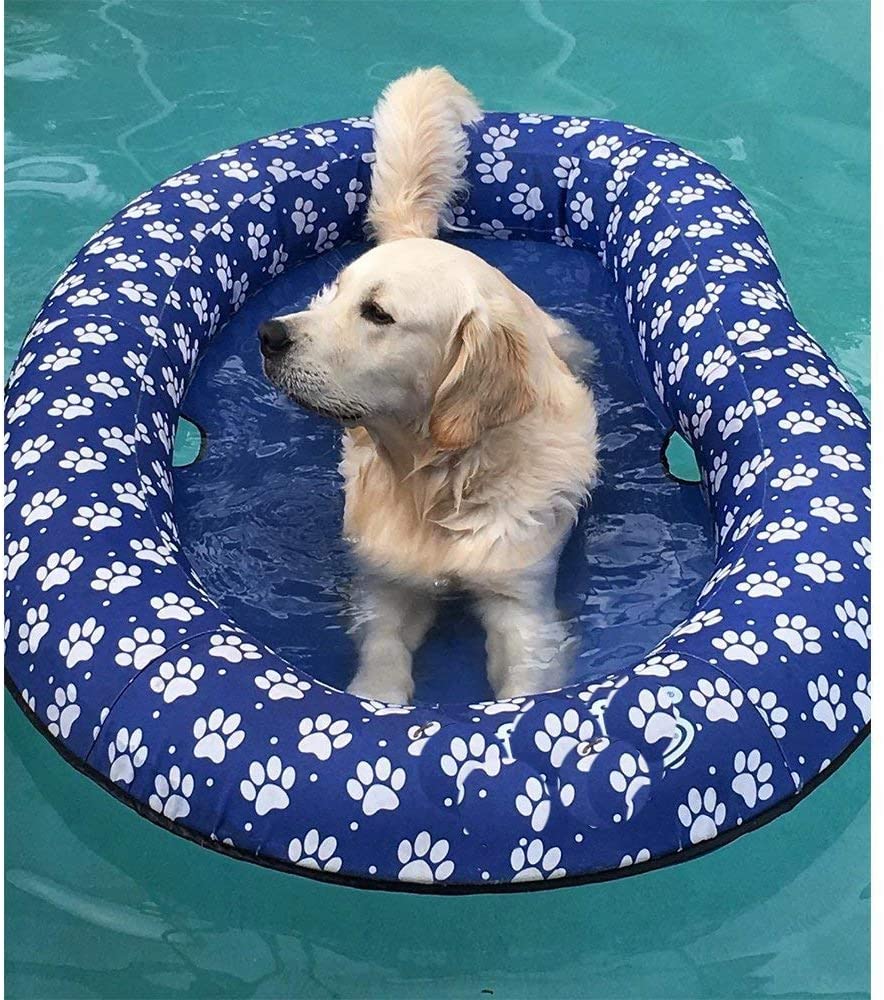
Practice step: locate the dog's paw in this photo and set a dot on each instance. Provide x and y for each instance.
(381, 689)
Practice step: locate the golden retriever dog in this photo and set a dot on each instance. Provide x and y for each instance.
(469, 444)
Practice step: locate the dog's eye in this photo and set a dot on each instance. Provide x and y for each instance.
(374, 314)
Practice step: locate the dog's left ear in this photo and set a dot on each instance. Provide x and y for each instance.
(486, 386)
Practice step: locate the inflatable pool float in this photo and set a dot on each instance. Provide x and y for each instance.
(120, 655)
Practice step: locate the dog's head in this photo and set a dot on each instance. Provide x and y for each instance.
(416, 332)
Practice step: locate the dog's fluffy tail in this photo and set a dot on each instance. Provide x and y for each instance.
(420, 146)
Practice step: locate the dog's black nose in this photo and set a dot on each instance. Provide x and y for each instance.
(274, 337)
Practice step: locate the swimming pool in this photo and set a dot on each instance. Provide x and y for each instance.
(99, 111)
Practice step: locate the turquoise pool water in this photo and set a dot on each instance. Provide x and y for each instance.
(105, 99)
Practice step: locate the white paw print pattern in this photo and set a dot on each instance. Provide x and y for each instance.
(126, 753)
(464, 757)
(424, 860)
(825, 696)
(817, 567)
(561, 734)
(628, 778)
(533, 802)
(797, 634)
(171, 794)
(63, 711)
(177, 680)
(752, 777)
(532, 861)
(232, 647)
(856, 622)
(323, 735)
(376, 786)
(42, 506)
(719, 700)
(282, 685)
(315, 852)
(702, 814)
(175, 607)
(117, 577)
(741, 647)
(78, 646)
(140, 648)
(216, 734)
(833, 510)
(58, 568)
(33, 629)
(767, 584)
(268, 785)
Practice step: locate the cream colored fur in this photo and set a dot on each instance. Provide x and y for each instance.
(470, 444)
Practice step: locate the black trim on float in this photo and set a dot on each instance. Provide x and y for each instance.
(435, 888)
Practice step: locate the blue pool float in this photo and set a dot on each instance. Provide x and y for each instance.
(120, 656)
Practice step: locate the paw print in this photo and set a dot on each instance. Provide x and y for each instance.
(561, 734)
(258, 240)
(802, 422)
(789, 529)
(126, 753)
(282, 685)
(149, 550)
(465, 757)
(42, 506)
(141, 648)
(698, 621)
(862, 697)
(856, 621)
(71, 406)
(315, 852)
(567, 171)
(774, 714)
(766, 584)
(628, 779)
(239, 170)
(719, 700)
(532, 861)
(125, 262)
(670, 160)
(569, 127)
(826, 699)
(216, 734)
(130, 494)
(171, 793)
(321, 136)
(842, 459)
(63, 712)
(322, 736)
(678, 274)
(177, 680)
(661, 665)
(702, 815)
(84, 460)
(734, 418)
(797, 634)
(493, 166)
(376, 785)
(526, 201)
(653, 714)
(833, 510)
(715, 363)
(116, 578)
(105, 384)
(231, 647)
(677, 365)
(534, 804)
(79, 644)
(727, 264)
(581, 210)
(268, 785)
(15, 556)
(603, 146)
(22, 405)
(863, 548)
(794, 477)
(752, 777)
(685, 195)
(87, 297)
(501, 137)
(200, 201)
(752, 331)
(662, 240)
(98, 516)
(304, 216)
(32, 629)
(818, 567)
(174, 607)
(703, 229)
(741, 647)
(750, 470)
(57, 569)
(423, 860)
(842, 412)
(808, 375)
(31, 451)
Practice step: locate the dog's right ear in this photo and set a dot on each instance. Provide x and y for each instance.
(486, 386)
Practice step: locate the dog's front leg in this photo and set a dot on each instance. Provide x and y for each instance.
(526, 644)
(392, 620)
